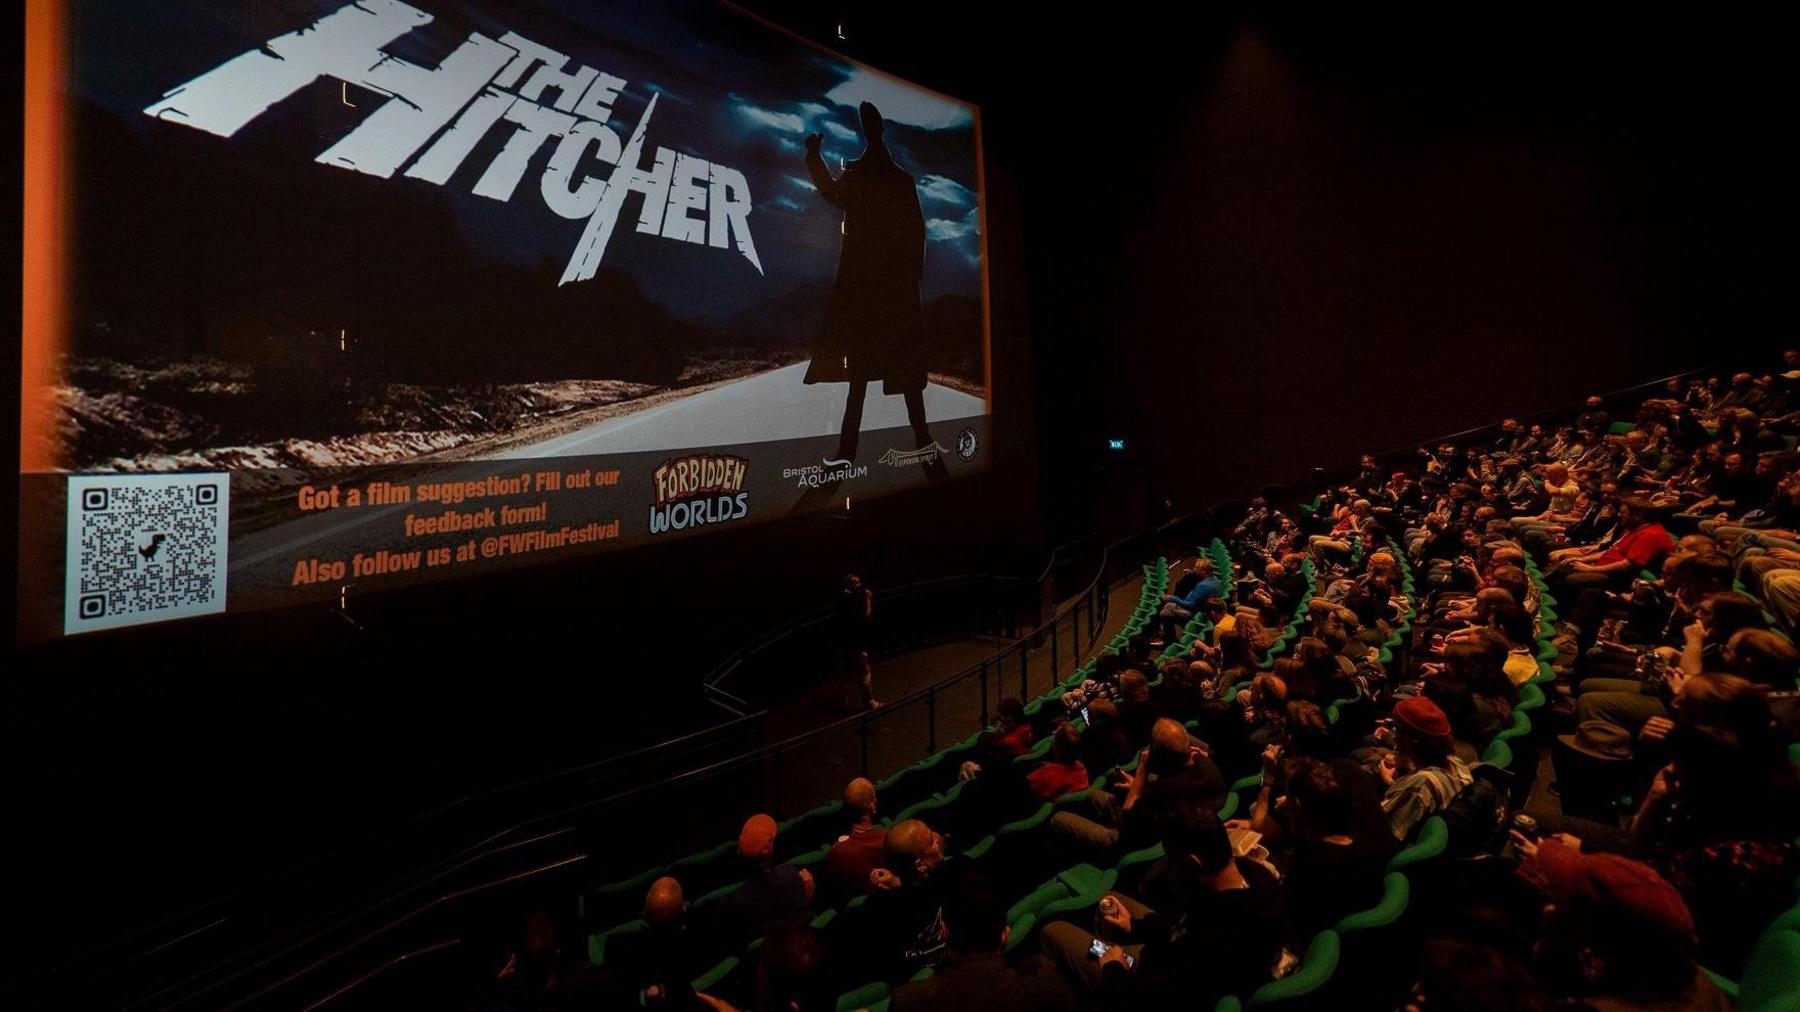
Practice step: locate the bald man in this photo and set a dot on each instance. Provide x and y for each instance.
(772, 894)
(666, 955)
(899, 929)
(844, 874)
(1174, 770)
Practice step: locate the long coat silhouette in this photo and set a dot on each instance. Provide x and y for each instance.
(873, 327)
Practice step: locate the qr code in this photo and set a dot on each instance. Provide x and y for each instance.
(145, 548)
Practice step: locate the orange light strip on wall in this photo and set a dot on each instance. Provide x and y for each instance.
(44, 315)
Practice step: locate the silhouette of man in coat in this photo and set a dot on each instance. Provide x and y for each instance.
(873, 327)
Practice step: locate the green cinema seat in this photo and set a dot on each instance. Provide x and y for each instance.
(864, 997)
(708, 870)
(1432, 839)
(1771, 980)
(597, 943)
(710, 979)
(1521, 725)
(1499, 753)
(616, 901)
(1317, 965)
(1396, 894)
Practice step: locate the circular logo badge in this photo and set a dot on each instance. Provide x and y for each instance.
(966, 444)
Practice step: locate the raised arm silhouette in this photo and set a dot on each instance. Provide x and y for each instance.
(873, 328)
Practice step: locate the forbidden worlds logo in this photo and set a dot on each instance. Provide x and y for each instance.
(441, 114)
(697, 490)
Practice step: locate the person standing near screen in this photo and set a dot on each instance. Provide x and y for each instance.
(873, 325)
(855, 609)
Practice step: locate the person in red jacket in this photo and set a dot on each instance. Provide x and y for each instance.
(1063, 771)
(844, 874)
(1012, 729)
(1642, 546)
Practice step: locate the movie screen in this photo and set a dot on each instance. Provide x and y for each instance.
(329, 294)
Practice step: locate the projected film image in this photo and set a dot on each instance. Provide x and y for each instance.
(328, 294)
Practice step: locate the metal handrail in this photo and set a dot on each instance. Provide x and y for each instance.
(1093, 599)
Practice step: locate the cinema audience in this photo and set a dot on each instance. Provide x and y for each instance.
(1637, 564)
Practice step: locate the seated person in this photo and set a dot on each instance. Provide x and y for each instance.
(1172, 771)
(1423, 775)
(1222, 937)
(1615, 934)
(1178, 609)
(1629, 702)
(844, 874)
(772, 894)
(996, 792)
(1312, 736)
(1329, 671)
(1103, 743)
(1136, 711)
(1012, 729)
(1265, 706)
(1565, 505)
(1762, 657)
(790, 975)
(667, 954)
(1641, 545)
(1274, 596)
(537, 971)
(1720, 821)
(1063, 772)
(1180, 698)
(1332, 868)
(975, 975)
(1716, 620)
(1471, 688)
(1233, 659)
(898, 930)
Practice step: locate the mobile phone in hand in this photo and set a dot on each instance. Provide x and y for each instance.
(1099, 948)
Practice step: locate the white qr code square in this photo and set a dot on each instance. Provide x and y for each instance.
(145, 548)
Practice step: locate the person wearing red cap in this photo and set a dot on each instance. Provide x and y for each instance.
(1423, 776)
(772, 894)
(1615, 933)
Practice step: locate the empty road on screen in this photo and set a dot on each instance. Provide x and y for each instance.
(770, 406)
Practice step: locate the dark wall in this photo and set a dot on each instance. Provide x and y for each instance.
(1273, 242)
